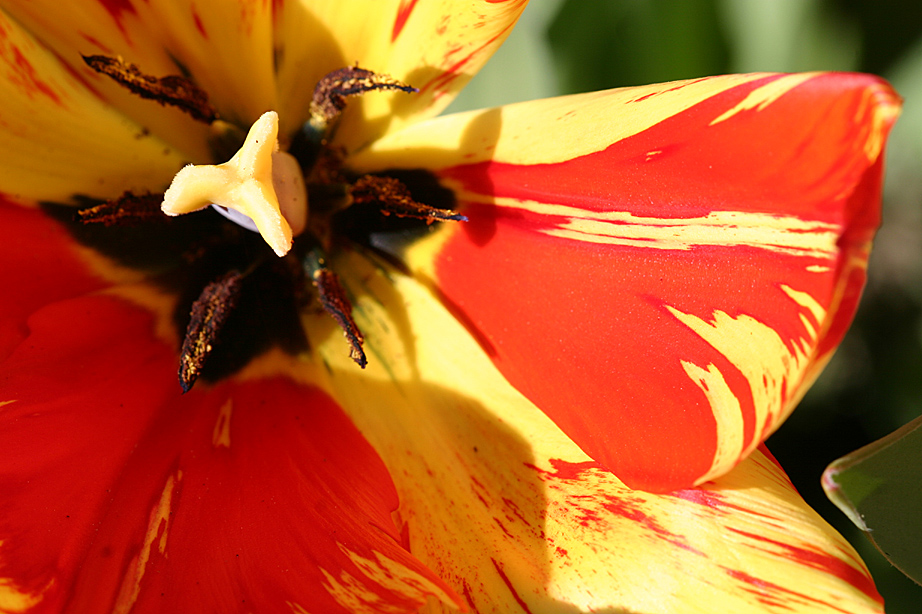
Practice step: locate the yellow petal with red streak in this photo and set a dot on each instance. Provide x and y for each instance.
(59, 138)
(434, 45)
(126, 29)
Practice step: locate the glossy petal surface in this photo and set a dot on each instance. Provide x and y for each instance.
(121, 495)
(663, 270)
(499, 502)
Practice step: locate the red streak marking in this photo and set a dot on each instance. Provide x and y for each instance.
(27, 78)
(627, 509)
(502, 526)
(763, 588)
(715, 501)
(451, 73)
(96, 43)
(403, 13)
(198, 23)
(820, 561)
(117, 9)
(477, 488)
(468, 593)
(80, 77)
(671, 89)
(505, 580)
(275, 4)
(511, 506)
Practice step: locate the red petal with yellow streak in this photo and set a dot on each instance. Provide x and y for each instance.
(663, 270)
(122, 495)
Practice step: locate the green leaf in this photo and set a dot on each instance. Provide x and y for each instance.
(879, 487)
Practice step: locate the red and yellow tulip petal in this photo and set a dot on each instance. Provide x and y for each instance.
(434, 45)
(228, 48)
(663, 270)
(506, 508)
(122, 495)
(39, 268)
(59, 138)
(116, 28)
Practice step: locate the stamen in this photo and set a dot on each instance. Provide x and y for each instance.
(126, 210)
(331, 92)
(209, 312)
(334, 301)
(172, 90)
(259, 182)
(394, 198)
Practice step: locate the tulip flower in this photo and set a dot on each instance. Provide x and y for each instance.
(513, 360)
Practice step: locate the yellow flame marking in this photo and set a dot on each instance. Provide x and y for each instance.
(355, 597)
(13, 601)
(159, 516)
(885, 108)
(766, 362)
(806, 301)
(220, 437)
(5, 403)
(727, 413)
(761, 97)
(297, 608)
(808, 325)
(778, 233)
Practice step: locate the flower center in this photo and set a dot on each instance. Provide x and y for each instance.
(303, 202)
(263, 185)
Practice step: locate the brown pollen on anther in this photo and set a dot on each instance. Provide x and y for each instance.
(394, 198)
(127, 210)
(209, 313)
(331, 91)
(173, 90)
(334, 301)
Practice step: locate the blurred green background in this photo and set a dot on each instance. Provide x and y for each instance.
(874, 384)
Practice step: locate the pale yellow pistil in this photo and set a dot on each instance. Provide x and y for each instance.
(260, 182)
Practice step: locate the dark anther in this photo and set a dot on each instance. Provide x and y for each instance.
(333, 298)
(209, 312)
(171, 90)
(394, 198)
(331, 92)
(126, 210)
